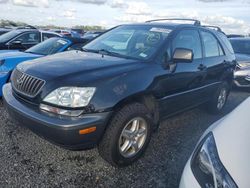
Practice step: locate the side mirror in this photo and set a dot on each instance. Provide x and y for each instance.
(183, 55)
(16, 43)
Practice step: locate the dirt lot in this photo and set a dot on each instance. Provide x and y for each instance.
(29, 161)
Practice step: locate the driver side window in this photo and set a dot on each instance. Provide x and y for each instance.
(28, 38)
(188, 39)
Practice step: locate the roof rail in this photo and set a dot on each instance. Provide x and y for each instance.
(196, 22)
(213, 27)
(27, 27)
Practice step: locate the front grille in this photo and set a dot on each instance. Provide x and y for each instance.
(26, 84)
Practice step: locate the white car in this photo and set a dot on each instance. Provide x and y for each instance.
(221, 159)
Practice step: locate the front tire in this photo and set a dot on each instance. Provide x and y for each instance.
(127, 136)
(219, 99)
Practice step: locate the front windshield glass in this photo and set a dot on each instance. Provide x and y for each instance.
(49, 46)
(137, 42)
(7, 36)
(241, 46)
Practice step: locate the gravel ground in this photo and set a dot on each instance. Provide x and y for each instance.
(26, 160)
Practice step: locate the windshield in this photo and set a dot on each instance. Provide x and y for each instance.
(49, 46)
(241, 46)
(7, 36)
(137, 42)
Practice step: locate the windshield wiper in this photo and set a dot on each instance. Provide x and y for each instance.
(107, 52)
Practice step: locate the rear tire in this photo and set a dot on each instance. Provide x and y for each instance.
(219, 99)
(127, 136)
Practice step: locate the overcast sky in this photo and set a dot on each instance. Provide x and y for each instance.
(232, 15)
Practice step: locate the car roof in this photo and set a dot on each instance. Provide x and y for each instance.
(42, 31)
(173, 26)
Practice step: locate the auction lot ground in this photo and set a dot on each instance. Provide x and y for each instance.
(26, 160)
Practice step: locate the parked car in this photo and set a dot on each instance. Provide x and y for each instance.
(24, 38)
(62, 32)
(80, 32)
(115, 93)
(10, 59)
(221, 158)
(92, 34)
(241, 48)
(4, 30)
(235, 36)
(67, 33)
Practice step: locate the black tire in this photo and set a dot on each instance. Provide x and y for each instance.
(109, 145)
(212, 105)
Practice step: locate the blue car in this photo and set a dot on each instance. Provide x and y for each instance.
(9, 59)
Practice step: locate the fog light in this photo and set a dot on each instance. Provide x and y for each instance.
(59, 111)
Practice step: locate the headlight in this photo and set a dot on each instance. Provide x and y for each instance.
(207, 167)
(243, 64)
(71, 97)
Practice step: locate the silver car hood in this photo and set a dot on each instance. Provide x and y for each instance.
(232, 137)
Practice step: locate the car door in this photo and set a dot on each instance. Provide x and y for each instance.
(214, 61)
(27, 40)
(181, 88)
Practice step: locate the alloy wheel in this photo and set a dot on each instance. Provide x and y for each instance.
(222, 98)
(133, 137)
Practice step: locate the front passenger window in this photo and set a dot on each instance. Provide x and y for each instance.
(188, 39)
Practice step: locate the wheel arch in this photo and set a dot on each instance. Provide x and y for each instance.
(146, 99)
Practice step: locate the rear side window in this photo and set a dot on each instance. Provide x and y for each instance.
(211, 45)
(189, 39)
(226, 42)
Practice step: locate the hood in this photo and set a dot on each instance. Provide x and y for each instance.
(242, 57)
(5, 51)
(232, 141)
(72, 64)
(12, 54)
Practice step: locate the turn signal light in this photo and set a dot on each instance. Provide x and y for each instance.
(87, 131)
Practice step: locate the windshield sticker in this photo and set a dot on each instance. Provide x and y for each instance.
(143, 55)
(160, 30)
(63, 42)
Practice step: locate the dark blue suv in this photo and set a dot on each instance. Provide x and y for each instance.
(115, 92)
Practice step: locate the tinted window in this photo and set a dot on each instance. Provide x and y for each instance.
(241, 46)
(189, 39)
(31, 37)
(211, 45)
(50, 46)
(226, 42)
(48, 35)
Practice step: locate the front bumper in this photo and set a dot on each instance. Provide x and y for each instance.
(242, 77)
(63, 131)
